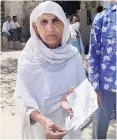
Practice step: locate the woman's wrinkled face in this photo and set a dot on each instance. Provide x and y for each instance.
(50, 29)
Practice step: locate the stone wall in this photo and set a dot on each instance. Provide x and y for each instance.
(23, 9)
(13, 8)
(84, 28)
(20, 8)
(29, 6)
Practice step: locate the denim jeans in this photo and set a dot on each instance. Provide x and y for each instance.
(102, 116)
(9, 36)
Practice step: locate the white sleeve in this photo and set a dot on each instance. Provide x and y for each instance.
(4, 28)
(17, 24)
(24, 101)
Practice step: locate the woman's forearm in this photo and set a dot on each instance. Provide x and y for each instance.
(38, 117)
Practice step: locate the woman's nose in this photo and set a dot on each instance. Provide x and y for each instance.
(50, 26)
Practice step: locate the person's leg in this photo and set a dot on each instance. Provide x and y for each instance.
(95, 121)
(115, 111)
(15, 35)
(102, 117)
(11, 34)
(105, 116)
(7, 36)
(19, 33)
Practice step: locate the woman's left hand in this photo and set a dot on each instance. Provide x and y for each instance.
(64, 103)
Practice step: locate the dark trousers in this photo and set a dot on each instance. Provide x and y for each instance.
(17, 34)
(102, 116)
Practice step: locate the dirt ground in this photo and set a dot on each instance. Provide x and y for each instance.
(10, 117)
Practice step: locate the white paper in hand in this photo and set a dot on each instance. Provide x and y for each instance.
(69, 123)
(83, 103)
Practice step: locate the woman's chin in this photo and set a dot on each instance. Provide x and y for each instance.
(52, 44)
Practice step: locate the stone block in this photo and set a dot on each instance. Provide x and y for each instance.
(16, 45)
(5, 43)
(11, 44)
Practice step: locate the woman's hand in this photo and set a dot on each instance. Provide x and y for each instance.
(53, 131)
(64, 104)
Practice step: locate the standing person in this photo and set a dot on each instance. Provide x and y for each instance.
(25, 29)
(102, 68)
(17, 31)
(75, 39)
(7, 29)
(99, 10)
(47, 68)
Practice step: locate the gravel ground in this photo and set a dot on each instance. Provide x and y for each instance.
(10, 118)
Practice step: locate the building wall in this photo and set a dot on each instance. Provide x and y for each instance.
(19, 8)
(84, 28)
(23, 9)
(13, 8)
(29, 6)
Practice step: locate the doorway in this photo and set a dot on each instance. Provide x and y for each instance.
(69, 7)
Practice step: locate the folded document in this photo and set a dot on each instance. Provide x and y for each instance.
(83, 102)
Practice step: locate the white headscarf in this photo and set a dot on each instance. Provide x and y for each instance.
(35, 50)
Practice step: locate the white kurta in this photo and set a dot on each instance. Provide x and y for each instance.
(54, 81)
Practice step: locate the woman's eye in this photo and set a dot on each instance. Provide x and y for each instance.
(55, 20)
(44, 21)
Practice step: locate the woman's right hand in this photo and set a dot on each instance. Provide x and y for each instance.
(53, 131)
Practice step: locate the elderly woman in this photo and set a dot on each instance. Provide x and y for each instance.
(47, 68)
